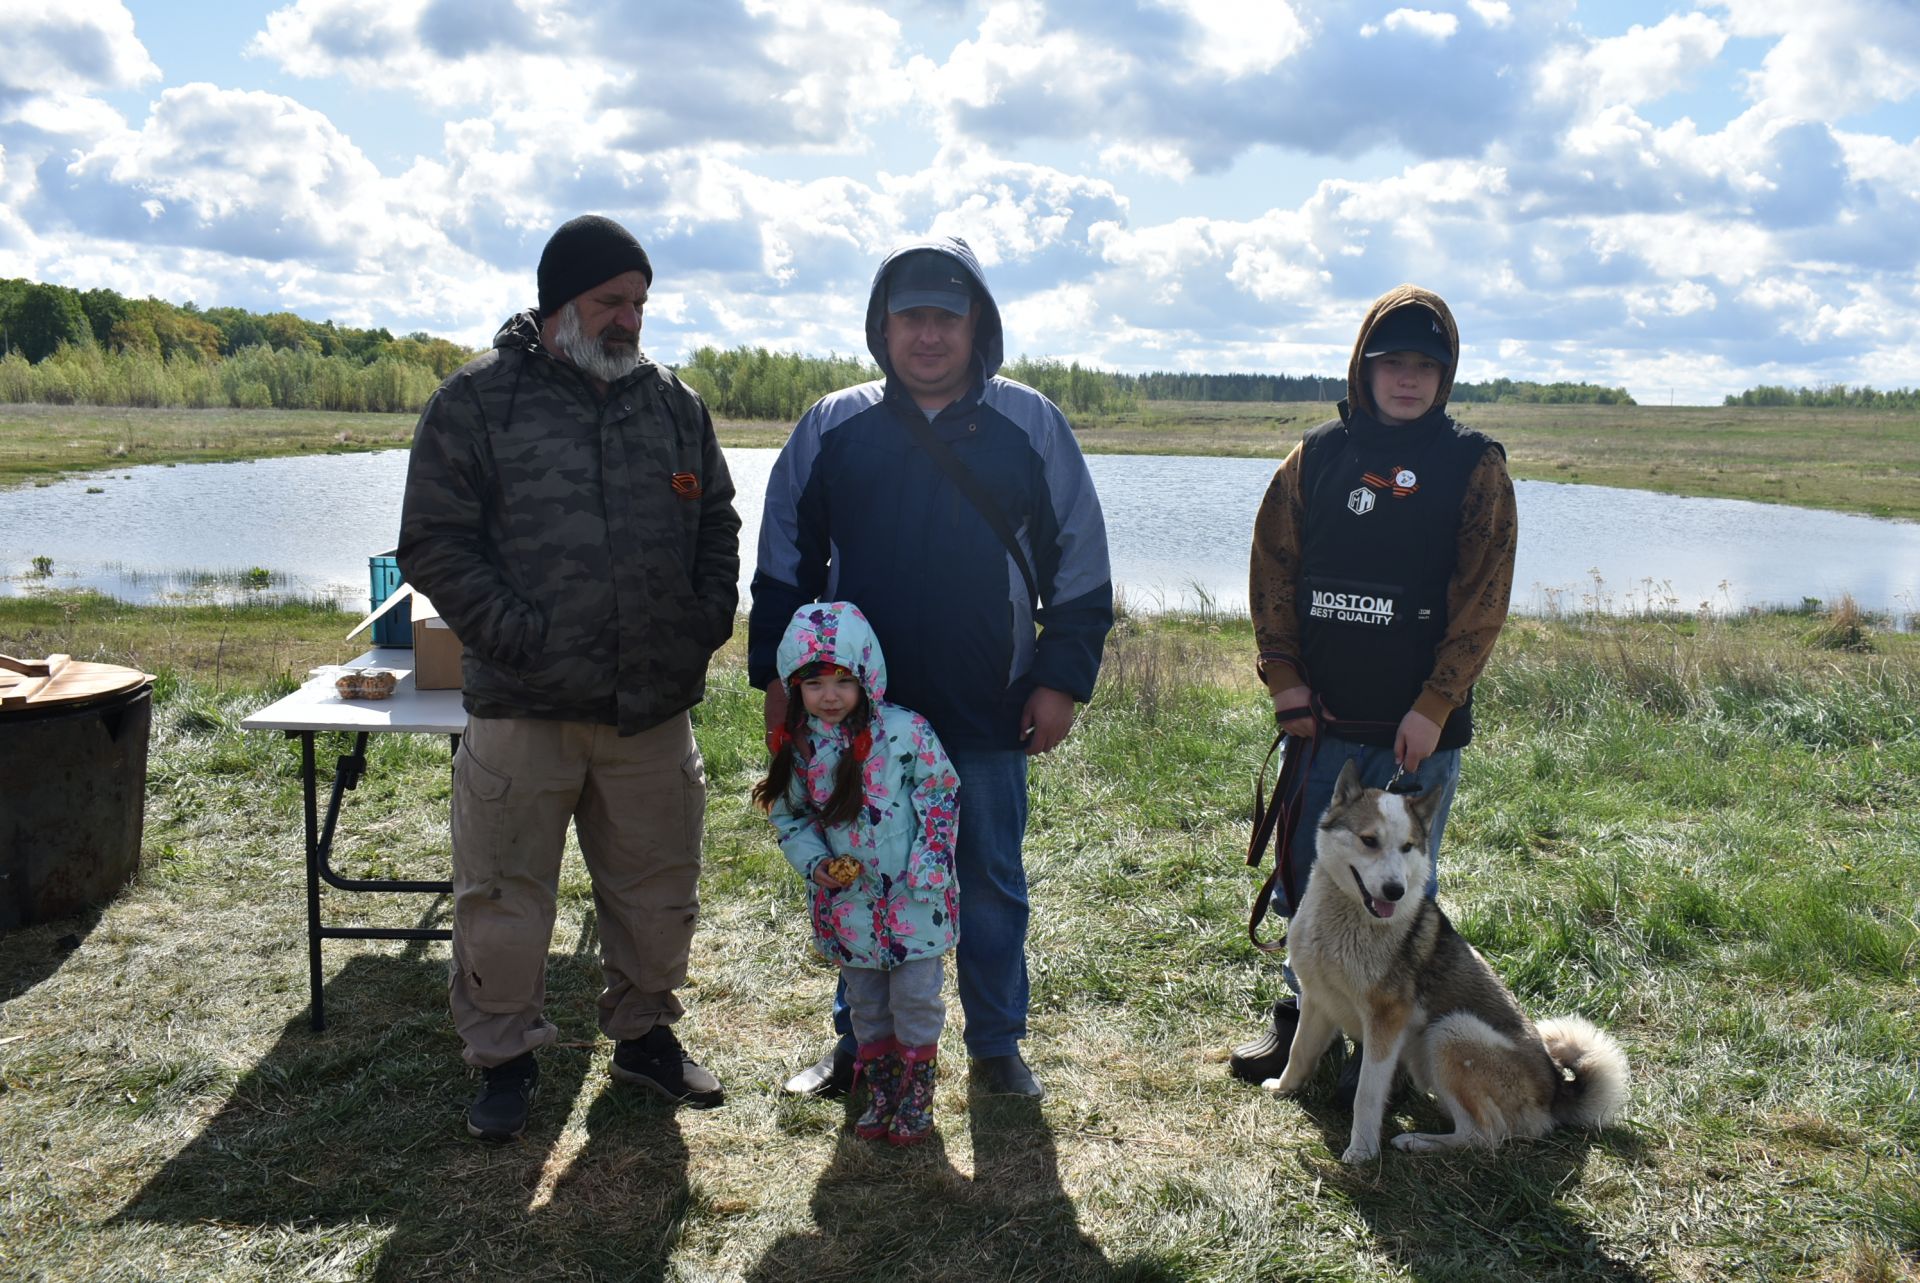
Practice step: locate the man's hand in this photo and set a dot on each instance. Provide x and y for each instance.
(1046, 720)
(1295, 697)
(776, 705)
(1413, 742)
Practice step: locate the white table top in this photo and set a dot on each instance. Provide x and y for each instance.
(316, 706)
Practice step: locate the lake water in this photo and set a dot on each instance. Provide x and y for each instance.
(1178, 528)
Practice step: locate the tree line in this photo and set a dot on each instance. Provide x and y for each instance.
(96, 347)
(1830, 396)
(63, 346)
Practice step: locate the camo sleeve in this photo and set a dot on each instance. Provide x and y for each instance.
(1274, 576)
(1478, 593)
(442, 549)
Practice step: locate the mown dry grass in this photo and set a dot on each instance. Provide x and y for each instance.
(1700, 833)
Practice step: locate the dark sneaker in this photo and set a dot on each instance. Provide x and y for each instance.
(1005, 1076)
(656, 1060)
(499, 1112)
(828, 1078)
(1266, 1056)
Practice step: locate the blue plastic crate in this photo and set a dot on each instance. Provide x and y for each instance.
(395, 628)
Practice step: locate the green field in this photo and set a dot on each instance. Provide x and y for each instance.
(1703, 834)
(1846, 460)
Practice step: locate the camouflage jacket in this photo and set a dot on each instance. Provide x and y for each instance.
(586, 553)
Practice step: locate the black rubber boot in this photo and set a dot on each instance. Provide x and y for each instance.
(1266, 1056)
(828, 1078)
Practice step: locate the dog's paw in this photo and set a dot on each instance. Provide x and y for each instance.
(1414, 1143)
(1358, 1153)
(1286, 1084)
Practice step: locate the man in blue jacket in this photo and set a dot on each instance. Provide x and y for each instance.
(953, 506)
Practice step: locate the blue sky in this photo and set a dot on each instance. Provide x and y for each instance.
(1682, 198)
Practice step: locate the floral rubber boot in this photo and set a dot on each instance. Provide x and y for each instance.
(879, 1064)
(913, 1119)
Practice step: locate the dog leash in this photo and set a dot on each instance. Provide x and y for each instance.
(1280, 812)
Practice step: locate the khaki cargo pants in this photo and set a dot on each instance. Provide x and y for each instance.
(637, 804)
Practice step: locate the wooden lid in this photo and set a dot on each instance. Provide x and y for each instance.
(61, 679)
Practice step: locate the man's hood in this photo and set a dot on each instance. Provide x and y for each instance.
(520, 332)
(834, 632)
(1399, 296)
(989, 343)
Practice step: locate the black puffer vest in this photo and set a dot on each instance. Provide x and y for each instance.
(1382, 513)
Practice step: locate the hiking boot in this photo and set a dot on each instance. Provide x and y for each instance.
(828, 1078)
(880, 1067)
(656, 1060)
(499, 1112)
(1266, 1056)
(1006, 1076)
(913, 1120)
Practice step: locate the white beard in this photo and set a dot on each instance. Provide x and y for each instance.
(596, 357)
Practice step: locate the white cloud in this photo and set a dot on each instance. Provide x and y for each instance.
(1831, 59)
(70, 46)
(1241, 37)
(1425, 23)
(1093, 152)
(1645, 64)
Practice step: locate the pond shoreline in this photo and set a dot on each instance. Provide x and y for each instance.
(1833, 460)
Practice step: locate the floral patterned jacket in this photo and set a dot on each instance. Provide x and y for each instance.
(903, 904)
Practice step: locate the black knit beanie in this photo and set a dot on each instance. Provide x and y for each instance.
(585, 252)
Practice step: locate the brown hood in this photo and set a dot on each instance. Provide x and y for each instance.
(1357, 395)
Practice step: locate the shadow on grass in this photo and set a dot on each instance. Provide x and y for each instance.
(31, 954)
(1469, 1215)
(360, 1131)
(884, 1214)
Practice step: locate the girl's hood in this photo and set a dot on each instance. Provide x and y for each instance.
(834, 632)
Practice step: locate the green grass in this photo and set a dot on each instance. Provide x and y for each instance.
(1846, 460)
(1701, 834)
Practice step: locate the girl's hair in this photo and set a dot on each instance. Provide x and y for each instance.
(849, 794)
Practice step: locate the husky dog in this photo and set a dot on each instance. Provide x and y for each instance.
(1380, 961)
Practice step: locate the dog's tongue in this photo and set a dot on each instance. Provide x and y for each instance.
(1382, 908)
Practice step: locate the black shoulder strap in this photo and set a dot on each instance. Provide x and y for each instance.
(976, 494)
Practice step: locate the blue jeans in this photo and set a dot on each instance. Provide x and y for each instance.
(990, 960)
(1440, 771)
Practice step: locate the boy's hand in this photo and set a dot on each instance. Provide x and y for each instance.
(1413, 742)
(1046, 720)
(1291, 698)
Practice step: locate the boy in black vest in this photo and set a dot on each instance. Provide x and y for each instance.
(1382, 563)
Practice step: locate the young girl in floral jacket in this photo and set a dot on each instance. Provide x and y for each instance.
(864, 801)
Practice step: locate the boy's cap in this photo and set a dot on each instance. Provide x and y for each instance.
(928, 278)
(1410, 328)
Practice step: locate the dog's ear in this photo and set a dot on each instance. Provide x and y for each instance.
(1422, 808)
(1347, 788)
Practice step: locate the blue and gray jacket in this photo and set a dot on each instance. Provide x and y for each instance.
(858, 511)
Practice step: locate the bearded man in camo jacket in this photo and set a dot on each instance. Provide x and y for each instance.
(569, 512)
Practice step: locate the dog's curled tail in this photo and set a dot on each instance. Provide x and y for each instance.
(1593, 1085)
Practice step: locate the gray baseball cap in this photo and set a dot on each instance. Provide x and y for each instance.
(928, 278)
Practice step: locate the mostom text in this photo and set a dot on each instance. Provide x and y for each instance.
(1352, 608)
